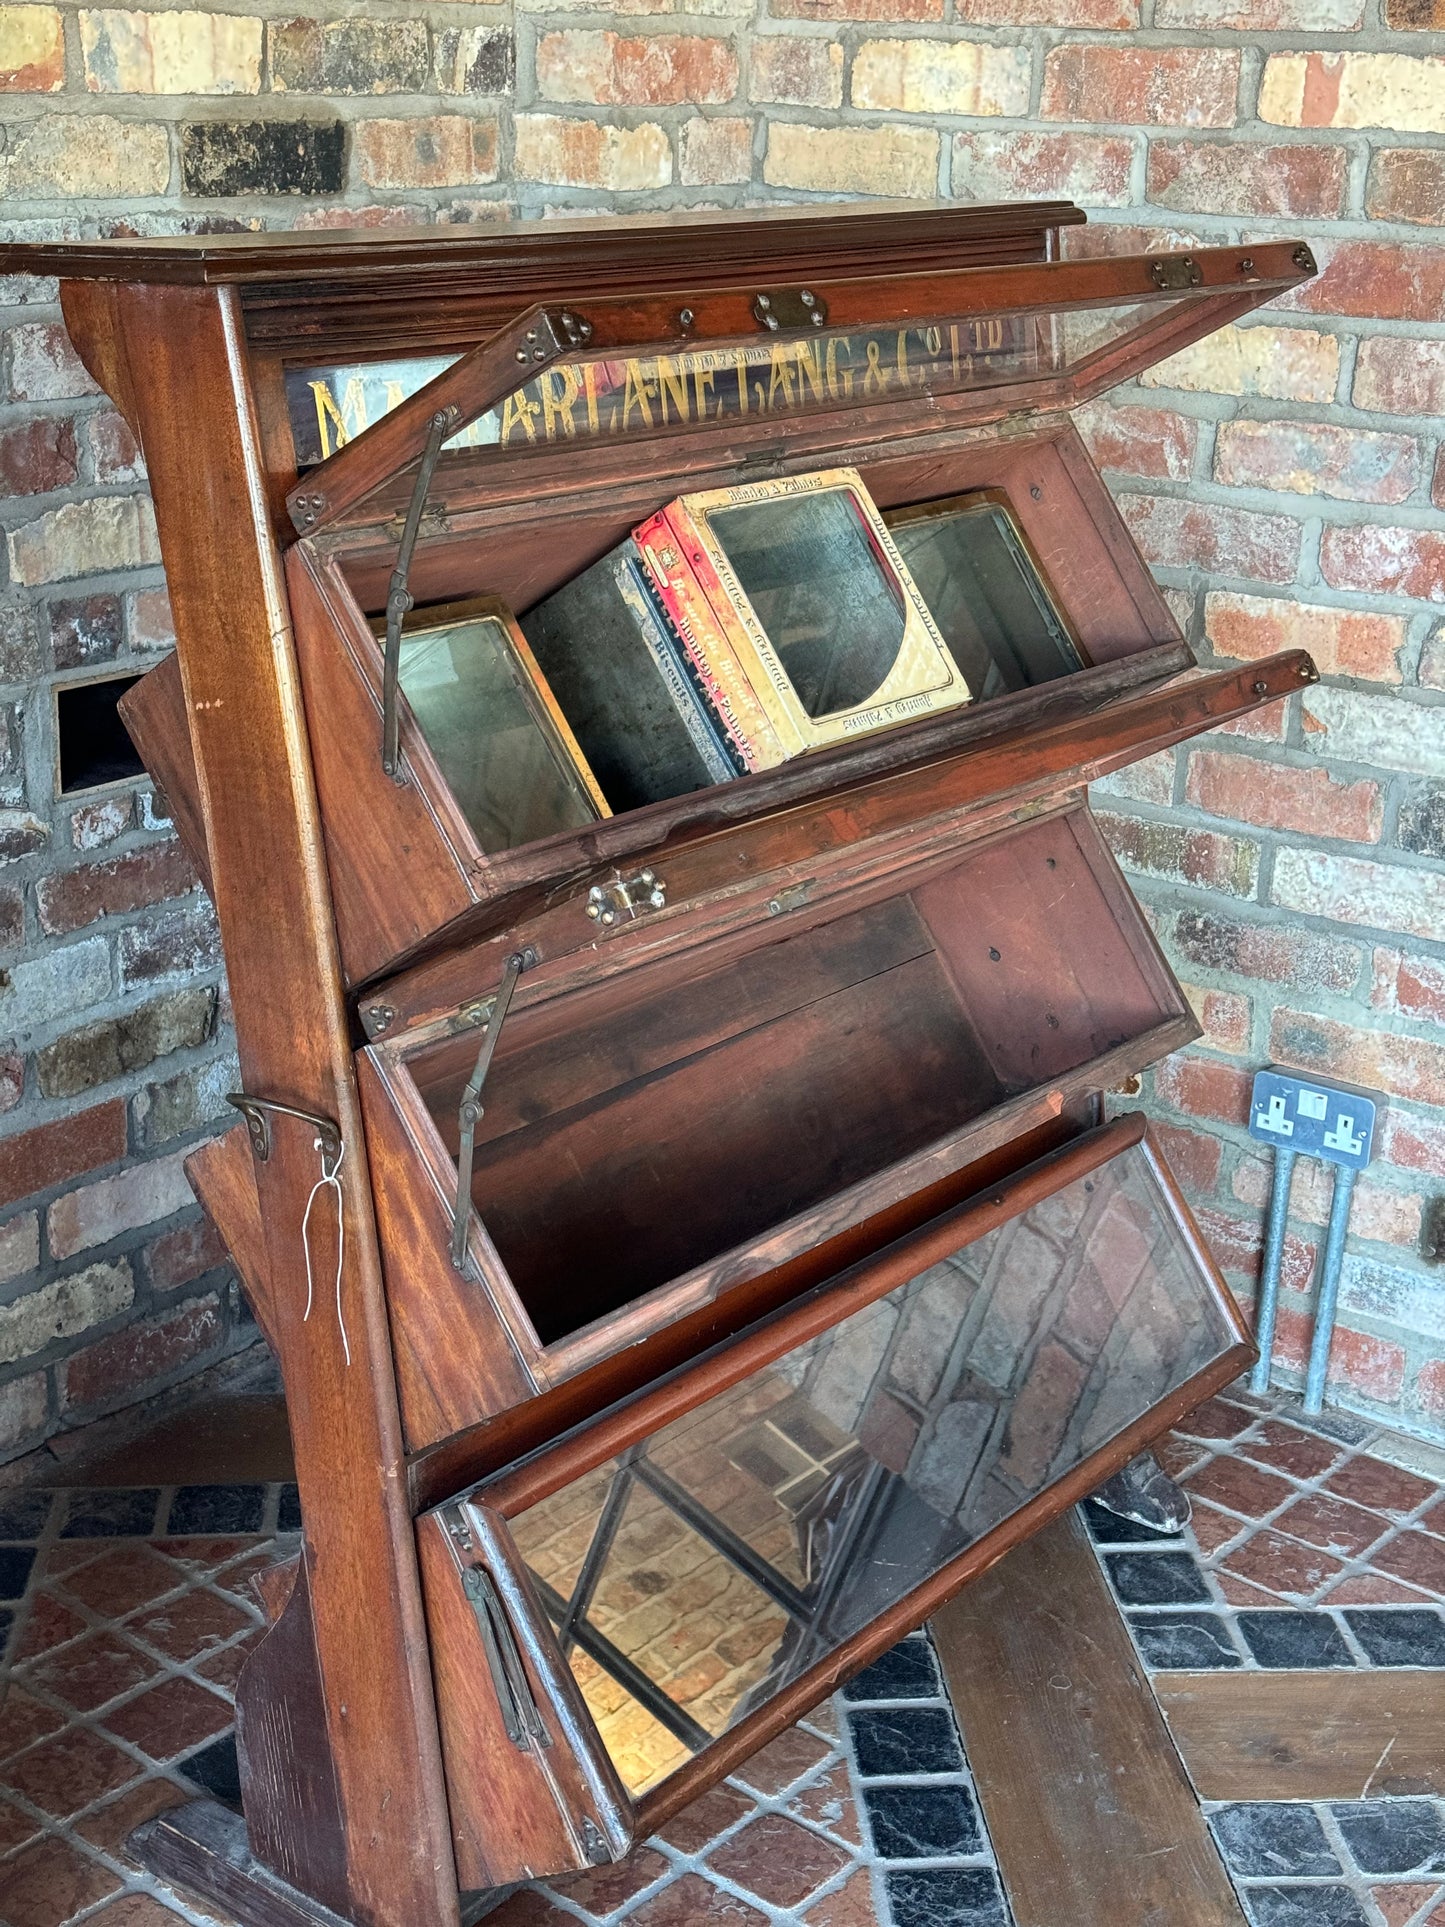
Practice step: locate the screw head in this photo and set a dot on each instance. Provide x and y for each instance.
(594, 910)
(609, 916)
(658, 899)
(764, 301)
(646, 876)
(806, 298)
(686, 318)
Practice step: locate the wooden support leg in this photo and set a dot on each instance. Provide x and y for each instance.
(1091, 1812)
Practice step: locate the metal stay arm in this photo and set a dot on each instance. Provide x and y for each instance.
(469, 1112)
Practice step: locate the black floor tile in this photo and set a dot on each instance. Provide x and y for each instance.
(923, 1822)
(15, 1564)
(1108, 1529)
(1157, 1578)
(111, 1515)
(1394, 1836)
(215, 1770)
(23, 1515)
(1184, 1642)
(946, 1897)
(1286, 1639)
(1267, 1839)
(217, 1508)
(7, 1620)
(1400, 1636)
(288, 1512)
(906, 1672)
(1304, 1907)
(903, 1739)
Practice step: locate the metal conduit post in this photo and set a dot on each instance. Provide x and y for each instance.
(1329, 1290)
(1268, 1304)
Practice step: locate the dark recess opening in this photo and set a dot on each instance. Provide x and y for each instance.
(95, 746)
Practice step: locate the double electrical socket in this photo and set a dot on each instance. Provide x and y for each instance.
(1331, 1121)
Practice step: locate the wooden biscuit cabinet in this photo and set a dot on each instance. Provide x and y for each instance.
(797, 1276)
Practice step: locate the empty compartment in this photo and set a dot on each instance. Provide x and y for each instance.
(644, 1132)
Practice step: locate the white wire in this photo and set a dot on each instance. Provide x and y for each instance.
(328, 1179)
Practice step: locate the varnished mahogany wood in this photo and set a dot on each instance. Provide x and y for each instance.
(223, 1177)
(1089, 1809)
(203, 1847)
(194, 417)
(1308, 1736)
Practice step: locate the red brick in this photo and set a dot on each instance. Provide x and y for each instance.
(1401, 1066)
(69, 899)
(1407, 184)
(1400, 377)
(12, 917)
(1416, 16)
(1154, 443)
(856, 9)
(1385, 561)
(1093, 169)
(1192, 1157)
(1437, 486)
(1430, 1387)
(1202, 858)
(652, 70)
(1317, 458)
(1409, 986)
(120, 1367)
(34, 60)
(1261, 16)
(1225, 1015)
(797, 70)
(37, 455)
(44, 366)
(12, 1080)
(1385, 280)
(117, 458)
(1266, 952)
(187, 1253)
(1204, 1088)
(1117, 14)
(1239, 177)
(1343, 642)
(1150, 86)
(54, 1153)
(1414, 1143)
(1178, 533)
(1274, 797)
(1373, 1366)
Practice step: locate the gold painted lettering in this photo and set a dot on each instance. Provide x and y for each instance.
(672, 387)
(519, 411)
(639, 393)
(703, 380)
(810, 370)
(327, 413)
(557, 406)
(780, 383)
(589, 389)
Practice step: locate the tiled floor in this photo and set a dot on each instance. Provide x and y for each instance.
(128, 1613)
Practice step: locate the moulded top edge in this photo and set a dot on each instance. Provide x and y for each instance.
(653, 239)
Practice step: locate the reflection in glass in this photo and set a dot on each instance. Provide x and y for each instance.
(489, 719)
(825, 597)
(985, 592)
(694, 1577)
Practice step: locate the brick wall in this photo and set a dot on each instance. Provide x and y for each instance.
(1284, 479)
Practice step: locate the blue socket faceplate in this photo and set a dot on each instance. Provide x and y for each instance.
(1331, 1121)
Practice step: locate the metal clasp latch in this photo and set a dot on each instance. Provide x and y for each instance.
(255, 1111)
(523, 1722)
(790, 308)
(626, 898)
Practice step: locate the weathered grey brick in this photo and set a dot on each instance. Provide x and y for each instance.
(355, 56)
(185, 1102)
(96, 1053)
(221, 157)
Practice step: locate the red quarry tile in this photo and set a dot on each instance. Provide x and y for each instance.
(779, 1861)
(719, 1808)
(1436, 1917)
(69, 1771)
(119, 1581)
(15, 1827)
(1238, 1592)
(782, 1761)
(50, 1882)
(1401, 1901)
(68, 1554)
(1212, 1528)
(530, 1908)
(223, 1669)
(1434, 1520)
(694, 1902)
(93, 1671)
(1369, 1589)
(1283, 1566)
(207, 1553)
(1334, 1524)
(198, 1622)
(851, 1906)
(24, 1720)
(825, 1718)
(1178, 1456)
(1285, 1448)
(1415, 1557)
(170, 1719)
(110, 1826)
(829, 1803)
(237, 1579)
(605, 1889)
(1374, 1483)
(47, 1624)
(1216, 1418)
(1240, 1487)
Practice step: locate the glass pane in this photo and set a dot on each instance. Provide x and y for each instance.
(821, 591)
(502, 755)
(985, 593)
(623, 394)
(747, 1539)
